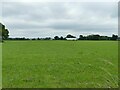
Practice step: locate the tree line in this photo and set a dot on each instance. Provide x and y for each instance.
(81, 37)
(98, 37)
(4, 35)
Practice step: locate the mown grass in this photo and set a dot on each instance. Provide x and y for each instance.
(61, 64)
(0, 65)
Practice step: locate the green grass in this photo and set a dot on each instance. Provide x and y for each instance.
(61, 64)
(0, 65)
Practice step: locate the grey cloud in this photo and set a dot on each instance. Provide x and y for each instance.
(102, 8)
(68, 17)
(64, 25)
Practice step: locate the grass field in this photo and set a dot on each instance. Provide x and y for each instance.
(61, 64)
(0, 65)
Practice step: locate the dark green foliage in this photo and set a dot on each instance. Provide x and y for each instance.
(4, 33)
(61, 38)
(56, 38)
(104, 38)
(93, 37)
(97, 37)
(114, 37)
(81, 37)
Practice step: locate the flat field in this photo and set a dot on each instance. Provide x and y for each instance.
(60, 64)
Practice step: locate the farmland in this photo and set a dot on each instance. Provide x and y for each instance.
(60, 64)
(0, 65)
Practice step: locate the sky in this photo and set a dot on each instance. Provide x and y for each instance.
(48, 19)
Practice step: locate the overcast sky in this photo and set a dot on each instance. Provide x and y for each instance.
(47, 19)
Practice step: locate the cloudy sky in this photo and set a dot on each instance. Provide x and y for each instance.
(47, 19)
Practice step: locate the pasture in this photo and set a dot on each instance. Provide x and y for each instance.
(60, 64)
(0, 65)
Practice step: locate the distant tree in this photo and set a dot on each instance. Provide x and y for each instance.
(56, 38)
(61, 38)
(47, 38)
(114, 37)
(81, 37)
(38, 38)
(93, 37)
(33, 39)
(104, 38)
(4, 33)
